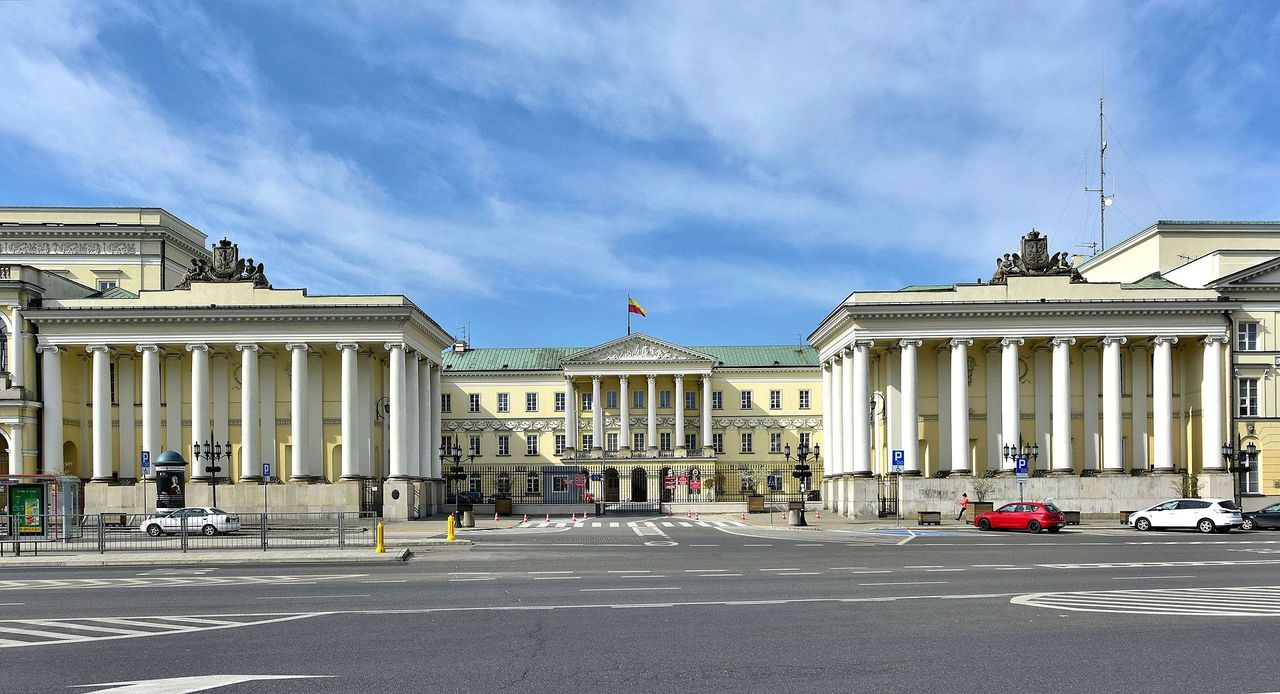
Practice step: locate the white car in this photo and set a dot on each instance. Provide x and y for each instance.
(1205, 515)
(199, 519)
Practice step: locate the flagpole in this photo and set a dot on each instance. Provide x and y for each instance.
(628, 315)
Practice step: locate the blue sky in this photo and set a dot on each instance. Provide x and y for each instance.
(736, 167)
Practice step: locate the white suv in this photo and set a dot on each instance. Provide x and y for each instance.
(1205, 515)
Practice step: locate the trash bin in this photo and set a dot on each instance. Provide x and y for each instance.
(468, 519)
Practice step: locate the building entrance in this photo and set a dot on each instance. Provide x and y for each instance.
(612, 486)
(639, 485)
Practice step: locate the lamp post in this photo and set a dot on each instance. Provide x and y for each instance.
(1031, 451)
(211, 454)
(1240, 463)
(801, 472)
(455, 473)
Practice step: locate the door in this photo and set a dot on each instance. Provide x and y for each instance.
(1163, 515)
(1189, 511)
(612, 489)
(1004, 517)
(1268, 517)
(639, 485)
(667, 495)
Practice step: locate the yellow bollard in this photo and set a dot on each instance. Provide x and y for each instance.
(379, 547)
(449, 536)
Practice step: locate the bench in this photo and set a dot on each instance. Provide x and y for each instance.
(929, 518)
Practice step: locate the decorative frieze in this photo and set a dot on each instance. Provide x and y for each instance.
(482, 425)
(35, 247)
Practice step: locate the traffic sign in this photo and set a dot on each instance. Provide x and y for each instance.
(682, 480)
(899, 460)
(266, 471)
(695, 484)
(146, 462)
(596, 477)
(669, 483)
(1023, 466)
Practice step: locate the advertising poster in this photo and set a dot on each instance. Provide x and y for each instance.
(26, 501)
(170, 493)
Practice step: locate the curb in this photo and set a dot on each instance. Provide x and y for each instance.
(399, 555)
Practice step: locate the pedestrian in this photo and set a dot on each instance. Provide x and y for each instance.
(964, 505)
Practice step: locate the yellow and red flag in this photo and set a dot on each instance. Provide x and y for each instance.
(633, 307)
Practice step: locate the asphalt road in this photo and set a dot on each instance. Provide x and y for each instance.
(647, 606)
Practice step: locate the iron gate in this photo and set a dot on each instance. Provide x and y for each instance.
(371, 497)
(887, 495)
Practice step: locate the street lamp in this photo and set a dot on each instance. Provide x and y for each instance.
(455, 472)
(1025, 450)
(211, 454)
(1240, 463)
(802, 471)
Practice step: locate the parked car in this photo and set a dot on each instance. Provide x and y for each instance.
(1205, 515)
(1268, 518)
(1022, 515)
(199, 519)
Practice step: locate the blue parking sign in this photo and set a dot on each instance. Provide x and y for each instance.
(1022, 465)
(899, 460)
(266, 471)
(146, 462)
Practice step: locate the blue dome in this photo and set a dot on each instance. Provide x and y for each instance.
(171, 458)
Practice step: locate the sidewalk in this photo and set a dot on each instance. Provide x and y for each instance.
(208, 557)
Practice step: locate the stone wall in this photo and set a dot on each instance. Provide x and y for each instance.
(237, 498)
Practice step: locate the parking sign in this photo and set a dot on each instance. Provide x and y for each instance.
(146, 463)
(266, 471)
(1022, 467)
(899, 460)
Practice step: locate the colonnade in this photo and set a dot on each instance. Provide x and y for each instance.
(571, 410)
(846, 376)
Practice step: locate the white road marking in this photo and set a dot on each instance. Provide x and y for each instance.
(701, 571)
(536, 573)
(757, 545)
(1241, 601)
(924, 566)
(800, 573)
(818, 545)
(11, 604)
(610, 590)
(991, 566)
(169, 581)
(82, 629)
(723, 575)
(470, 573)
(876, 571)
(942, 570)
(1015, 568)
(462, 580)
(556, 578)
(1145, 578)
(791, 568)
(904, 583)
(847, 568)
(185, 685)
(630, 571)
(314, 597)
(387, 580)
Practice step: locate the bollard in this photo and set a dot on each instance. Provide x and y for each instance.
(380, 548)
(449, 534)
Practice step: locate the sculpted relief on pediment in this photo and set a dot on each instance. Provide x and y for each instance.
(639, 351)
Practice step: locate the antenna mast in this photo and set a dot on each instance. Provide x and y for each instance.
(1103, 198)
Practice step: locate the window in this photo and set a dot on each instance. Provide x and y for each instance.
(531, 402)
(1248, 393)
(611, 399)
(446, 402)
(504, 483)
(111, 378)
(717, 400)
(691, 400)
(559, 402)
(474, 445)
(473, 402)
(745, 404)
(637, 440)
(531, 484)
(504, 402)
(690, 441)
(559, 444)
(664, 441)
(531, 445)
(637, 399)
(611, 441)
(586, 401)
(806, 439)
(504, 444)
(1250, 481)
(804, 399)
(474, 484)
(104, 285)
(587, 442)
(746, 446)
(717, 442)
(1247, 336)
(775, 400)
(446, 443)
(664, 398)
(775, 442)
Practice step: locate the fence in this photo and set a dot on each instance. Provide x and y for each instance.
(115, 532)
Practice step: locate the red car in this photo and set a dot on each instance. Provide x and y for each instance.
(1020, 515)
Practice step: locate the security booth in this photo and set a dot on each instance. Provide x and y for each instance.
(39, 508)
(170, 473)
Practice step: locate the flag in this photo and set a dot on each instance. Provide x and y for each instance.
(633, 307)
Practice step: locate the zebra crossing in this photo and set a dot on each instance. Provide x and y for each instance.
(1243, 601)
(17, 633)
(152, 581)
(632, 525)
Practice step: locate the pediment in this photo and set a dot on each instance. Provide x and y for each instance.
(1265, 275)
(637, 348)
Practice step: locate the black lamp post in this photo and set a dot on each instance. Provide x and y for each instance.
(211, 454)
(801, 471)
(1031, 451)
(1239, 463)
(455, 472)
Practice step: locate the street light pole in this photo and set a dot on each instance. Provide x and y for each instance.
(211, 454)
(802, 473)
(1238, 463)
(455, 473)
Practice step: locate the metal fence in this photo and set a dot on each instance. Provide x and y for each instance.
(116, 532)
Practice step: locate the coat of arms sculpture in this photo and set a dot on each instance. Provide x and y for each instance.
(1034, 261)
(227, 266)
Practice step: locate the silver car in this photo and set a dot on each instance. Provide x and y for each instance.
(202, 519)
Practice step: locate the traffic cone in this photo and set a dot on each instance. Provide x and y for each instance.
(573, 517)
(819, 515)
(584, 516)
(548, 517)
(495, 516)
(742, 515)
(526, 518)
(688, 515)
(697, 516)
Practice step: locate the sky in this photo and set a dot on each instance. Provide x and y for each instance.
(519, 169)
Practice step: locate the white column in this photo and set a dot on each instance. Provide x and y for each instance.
(436, 422)
(893, 400)
(995, 406)
(412, 433)
(944, 406)
(219, 385)
(364, 414)
(624, 414)
(51, 395)
(835, 448)
(173, 404)
(268, 448)
(428, 448)
(909, 416)
(1162, 403)
(570, 416)
(1211, 397)
(1010, 410)
(853, 409)
(129, 462)
(860, 409)
(350, 428)
(150, 399)
(1042, 365)
(1112, 424)
(1138, 405)
(17, 361)
(597, 416)
(17, 459)
(315, 413)
(679, 408)
(706, 413)
(298, 463)
(652, 405)
(101, 395)
(199, 402)
(397, 450)
(960, 404)
(1060, 456)
(826, 420)
(250, 431)
(1089, 393)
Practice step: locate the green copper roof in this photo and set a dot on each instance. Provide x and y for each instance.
(117, 293)
(1153, 281)
(549, 358)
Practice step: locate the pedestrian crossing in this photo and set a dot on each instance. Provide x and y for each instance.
(630, 525)
(151, 581)
(1244, 601)
(17, 633)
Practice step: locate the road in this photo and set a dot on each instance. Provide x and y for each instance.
(673, 605)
